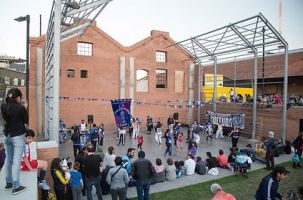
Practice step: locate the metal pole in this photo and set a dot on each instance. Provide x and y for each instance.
(215, 85)
(263, 60)
(285, 92)
(199, 92)
(27, 60)
(253, 136)
(40, 25)
(54, 129)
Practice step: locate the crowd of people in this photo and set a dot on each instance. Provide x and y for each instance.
(265, 101)
(75, 179)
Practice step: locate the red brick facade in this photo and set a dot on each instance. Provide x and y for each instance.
(103, 81)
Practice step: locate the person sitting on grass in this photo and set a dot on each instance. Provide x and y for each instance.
(29, 164)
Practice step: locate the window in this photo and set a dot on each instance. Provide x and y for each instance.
(83, 74)
(84, 49)
(19, 81)
(301, 126)
(179, 81)
(142, 80)
(70, 73)
(161, 56)
(161, 78)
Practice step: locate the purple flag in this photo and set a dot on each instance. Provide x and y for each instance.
(121, 110)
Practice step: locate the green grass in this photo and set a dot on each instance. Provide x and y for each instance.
(243, 188)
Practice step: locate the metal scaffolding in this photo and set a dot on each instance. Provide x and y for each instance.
(248, 39)
(68, 18)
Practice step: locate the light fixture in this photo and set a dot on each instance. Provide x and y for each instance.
(73, 4)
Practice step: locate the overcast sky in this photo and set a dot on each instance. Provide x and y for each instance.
(129, 21)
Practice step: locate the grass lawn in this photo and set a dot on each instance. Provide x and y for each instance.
(241, 187)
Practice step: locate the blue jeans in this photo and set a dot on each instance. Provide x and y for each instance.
(14, 147)
(143, 189)
(89, 186)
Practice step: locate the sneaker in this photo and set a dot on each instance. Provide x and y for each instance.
(19, 189)
(44, 186)
(8, 186)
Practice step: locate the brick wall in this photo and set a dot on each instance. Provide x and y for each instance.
(104, 76)
(48, 154)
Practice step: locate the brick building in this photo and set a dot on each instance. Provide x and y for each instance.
(95, 68)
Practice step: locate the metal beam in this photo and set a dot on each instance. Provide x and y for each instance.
(86, 7)
(253, 136)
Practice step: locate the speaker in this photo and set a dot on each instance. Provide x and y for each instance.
(176, 116)
(90, 119)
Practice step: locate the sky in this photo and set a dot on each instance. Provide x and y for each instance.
(129, 21)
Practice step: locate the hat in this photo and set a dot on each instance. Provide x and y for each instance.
(280, 169)
(215, 187)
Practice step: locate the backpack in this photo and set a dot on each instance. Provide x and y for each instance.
(104, 185)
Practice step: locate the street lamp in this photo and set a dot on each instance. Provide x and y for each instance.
(27, 19)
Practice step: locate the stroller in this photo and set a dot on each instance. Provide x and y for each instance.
(242, 165)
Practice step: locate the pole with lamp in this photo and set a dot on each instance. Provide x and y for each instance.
(27, 19)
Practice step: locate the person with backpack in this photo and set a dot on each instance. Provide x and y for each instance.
(118, 179)
(94, 136)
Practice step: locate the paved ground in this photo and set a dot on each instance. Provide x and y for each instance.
(154, 151)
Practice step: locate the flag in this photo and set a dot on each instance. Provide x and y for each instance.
(121, 110)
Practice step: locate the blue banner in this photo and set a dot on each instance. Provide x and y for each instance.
(121, 110)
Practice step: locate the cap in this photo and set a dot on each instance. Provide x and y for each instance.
(280, 169)
(215, 187)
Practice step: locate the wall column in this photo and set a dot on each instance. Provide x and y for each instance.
(132, 83)
(122, 78)
(39, 93)
(191, 92)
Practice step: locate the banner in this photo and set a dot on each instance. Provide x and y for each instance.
(228, 120)
(121, 110)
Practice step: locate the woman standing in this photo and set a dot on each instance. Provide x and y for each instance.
(60, 183)
(15, 116)
(235, 134)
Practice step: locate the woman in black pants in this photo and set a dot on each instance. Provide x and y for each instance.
(235, 134)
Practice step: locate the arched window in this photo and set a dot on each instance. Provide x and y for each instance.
(142, 80)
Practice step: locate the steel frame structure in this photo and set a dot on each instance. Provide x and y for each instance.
(68, 18)
(245, 39)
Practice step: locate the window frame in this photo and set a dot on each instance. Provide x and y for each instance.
(68, 75)
(161, 80)
(81, 73)
(84, 49)
(161, 56)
